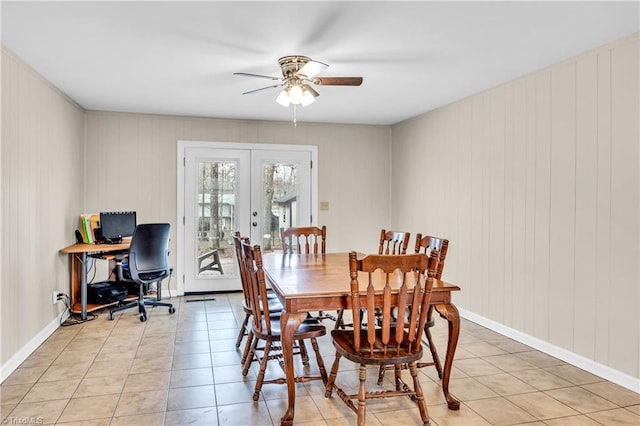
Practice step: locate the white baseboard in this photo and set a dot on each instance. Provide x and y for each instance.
(19, 357)
(601, 370)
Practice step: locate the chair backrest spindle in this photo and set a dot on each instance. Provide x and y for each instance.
(393, 242)
(427, 244)
(314, 239)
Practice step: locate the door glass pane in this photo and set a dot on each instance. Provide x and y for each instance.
(215, 219)
(279, 200)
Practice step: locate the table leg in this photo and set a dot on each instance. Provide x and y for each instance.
(289, 323)
(83, 287)
(450, 313)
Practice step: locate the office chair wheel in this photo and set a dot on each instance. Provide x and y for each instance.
(143, 318)
(172, 310)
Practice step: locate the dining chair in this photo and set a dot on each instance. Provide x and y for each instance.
(393, 242)
(267, 329)
(273, 303)
(392, 342)
(306, 240)
(427, 245)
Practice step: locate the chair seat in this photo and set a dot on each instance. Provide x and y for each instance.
(343, 340)
(274, 306)
(309, 328)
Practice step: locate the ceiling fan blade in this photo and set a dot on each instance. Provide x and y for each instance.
(338, 81)
(311, 90)
(311, 69)
(247, 74)
(264, 88)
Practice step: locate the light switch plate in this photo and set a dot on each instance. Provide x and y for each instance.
(324, 205)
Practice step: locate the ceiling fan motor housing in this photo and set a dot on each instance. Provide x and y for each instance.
(292, 64)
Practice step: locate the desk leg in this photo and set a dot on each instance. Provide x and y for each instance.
(450, 313)
(83, 287)
(289, 323)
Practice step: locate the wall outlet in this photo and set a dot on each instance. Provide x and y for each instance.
(55, 297)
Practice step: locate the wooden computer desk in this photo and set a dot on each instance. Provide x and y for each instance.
(79, 254)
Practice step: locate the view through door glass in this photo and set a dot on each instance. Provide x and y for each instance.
(280, 190)
(284, 198)
(217, 187)
(215, 218)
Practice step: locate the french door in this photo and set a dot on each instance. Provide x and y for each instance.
(238, 187)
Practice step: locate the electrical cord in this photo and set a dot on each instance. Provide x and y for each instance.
(72, 319)
(169, 283)
(91, 262)
(92, 268)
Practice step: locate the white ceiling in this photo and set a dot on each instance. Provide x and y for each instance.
(178, 58)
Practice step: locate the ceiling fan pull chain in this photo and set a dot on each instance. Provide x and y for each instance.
(295, 119)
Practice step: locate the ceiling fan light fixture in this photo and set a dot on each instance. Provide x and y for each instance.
(296, 94)
(307, 98)
(283, 98)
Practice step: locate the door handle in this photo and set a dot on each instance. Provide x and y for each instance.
(254, 224)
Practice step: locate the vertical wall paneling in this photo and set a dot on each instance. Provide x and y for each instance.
(586, 128)
(10, 118)
(486, 166)
(22, 182)
(624, 312)
(89, 133)
(508, 144)
(530, 289)
(148, 138)
(111, 170)
(562, 206)
(477, 253)
(170, 131)
(127, 163)
(552, 221)
(450, 177)
(462, 248)
(542, 205)
(603, 211)
(518, 277)
(496, 215)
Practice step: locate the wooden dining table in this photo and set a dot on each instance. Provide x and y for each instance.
(320, 282)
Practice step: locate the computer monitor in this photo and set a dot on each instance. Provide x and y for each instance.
(116, 225)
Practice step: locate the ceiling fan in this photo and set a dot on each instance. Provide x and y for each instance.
(298, 74)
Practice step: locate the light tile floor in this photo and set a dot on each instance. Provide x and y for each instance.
(183, 369)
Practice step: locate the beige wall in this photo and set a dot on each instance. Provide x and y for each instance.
(42, 187)
(536, 184)
(131, 165)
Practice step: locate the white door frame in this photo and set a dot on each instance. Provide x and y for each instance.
(180, 170)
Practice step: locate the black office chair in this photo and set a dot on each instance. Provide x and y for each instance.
(148, 263)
